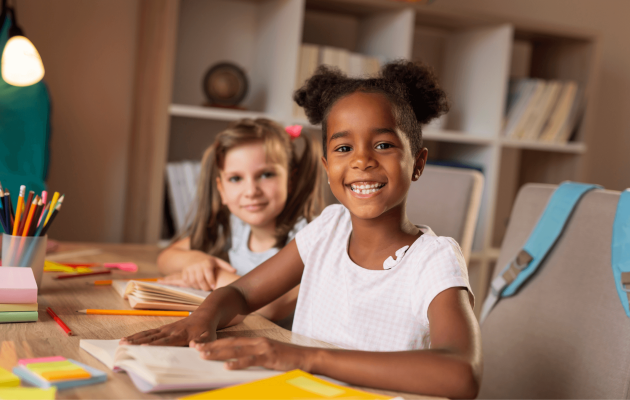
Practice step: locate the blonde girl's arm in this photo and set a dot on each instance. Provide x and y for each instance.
(227, 305)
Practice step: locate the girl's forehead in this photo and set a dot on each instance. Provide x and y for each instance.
(250, 157)
(359, 110)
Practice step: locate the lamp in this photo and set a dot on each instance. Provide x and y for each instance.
(21, 63)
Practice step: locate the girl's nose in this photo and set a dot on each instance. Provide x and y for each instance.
(362, 159)
(251, 187)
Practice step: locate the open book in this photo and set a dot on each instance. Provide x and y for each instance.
(165, 368)
(155, 296)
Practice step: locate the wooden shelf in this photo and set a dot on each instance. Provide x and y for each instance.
(571, 147)
(443, 135)
(213, 113)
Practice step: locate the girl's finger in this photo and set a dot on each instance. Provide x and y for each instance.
(201, 280)
(209, 275)
(224, 265)
(248, 361)
(148, 338)
(169, 340)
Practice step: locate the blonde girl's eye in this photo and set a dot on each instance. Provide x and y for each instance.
(384, 146)
(234, 179)
(343, 149)
(268, 174)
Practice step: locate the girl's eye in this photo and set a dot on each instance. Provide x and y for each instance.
(343, 149)
(383, 146)
(234, 179)
(267, 175)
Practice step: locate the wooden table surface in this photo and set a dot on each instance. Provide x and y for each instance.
(45, 338)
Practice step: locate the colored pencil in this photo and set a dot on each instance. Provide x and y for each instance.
(59, 321)
(8, 206)
(27, 206)
(82, 275)
(49, 219)
(29, 219)
(2, 214)
(53, 204)
(136, 312)
(108, 282)
(77, 265)
(44, 198)
(40, 228)
(36, 215)
(18, 210)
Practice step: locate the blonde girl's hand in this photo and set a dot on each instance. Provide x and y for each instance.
(248, 352)
(201, 274)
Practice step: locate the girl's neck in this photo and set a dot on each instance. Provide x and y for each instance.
(373, 240)
(262, 238)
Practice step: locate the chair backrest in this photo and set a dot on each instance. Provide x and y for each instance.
(447, 199)
(565, 333)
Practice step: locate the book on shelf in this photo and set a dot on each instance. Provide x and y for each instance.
(181, 179)
(166, 368)
(155, 296)
(351, 64)
(539, 110)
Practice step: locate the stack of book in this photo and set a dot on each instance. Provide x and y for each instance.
(352, 64)
(18, 295)
(181, 178)
(57, 372)
(544, 111)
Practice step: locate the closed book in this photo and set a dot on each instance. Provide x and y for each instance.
(18, 316)
(17, 285)
(18, 307)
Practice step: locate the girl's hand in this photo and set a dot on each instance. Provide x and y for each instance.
(263, 352)
(201, 273)
(180, 333)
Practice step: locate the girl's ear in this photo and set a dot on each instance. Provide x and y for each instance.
(325, 163)
(220, 189)
(421, 160)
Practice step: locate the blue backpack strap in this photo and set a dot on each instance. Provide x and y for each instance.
(620, 256)
(540, 241)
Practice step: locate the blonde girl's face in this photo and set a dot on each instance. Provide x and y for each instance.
(252, 188)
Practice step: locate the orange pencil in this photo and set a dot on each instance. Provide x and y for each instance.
(136, 312)
(18, 211)
(108, 282)
(29, 219)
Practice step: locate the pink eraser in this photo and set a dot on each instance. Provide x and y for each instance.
(125, 266)
(17, 285)
(27, 361)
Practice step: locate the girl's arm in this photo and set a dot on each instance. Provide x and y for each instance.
(451, 367)
(266, 283)
(197, 268)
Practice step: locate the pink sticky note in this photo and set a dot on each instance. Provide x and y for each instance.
(124, 266)
(17, 285)
(27, 361)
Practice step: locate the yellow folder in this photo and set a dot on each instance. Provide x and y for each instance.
(291, 385)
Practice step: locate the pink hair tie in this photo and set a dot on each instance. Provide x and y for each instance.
(294, 131)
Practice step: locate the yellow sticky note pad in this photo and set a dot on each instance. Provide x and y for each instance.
(59, 370)
(22, 393)
(7, 379)
(291, 385)
(64, 365)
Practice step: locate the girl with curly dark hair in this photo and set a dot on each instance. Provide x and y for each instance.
(392, 295)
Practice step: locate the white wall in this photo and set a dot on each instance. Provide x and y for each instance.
(88, 49)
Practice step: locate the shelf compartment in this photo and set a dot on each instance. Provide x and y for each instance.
(443, 135)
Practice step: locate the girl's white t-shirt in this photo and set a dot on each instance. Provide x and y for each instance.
(374, 310)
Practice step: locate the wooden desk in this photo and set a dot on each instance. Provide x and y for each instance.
(45, 337)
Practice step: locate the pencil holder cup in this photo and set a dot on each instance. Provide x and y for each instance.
(25, 251)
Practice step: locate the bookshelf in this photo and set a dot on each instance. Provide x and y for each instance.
(473, 55)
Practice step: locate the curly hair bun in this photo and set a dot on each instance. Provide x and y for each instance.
(315, 96)
(420, 88)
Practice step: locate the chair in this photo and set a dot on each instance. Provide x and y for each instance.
(565, 333)
(447, 199)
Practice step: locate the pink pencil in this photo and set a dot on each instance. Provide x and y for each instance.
(44, 197)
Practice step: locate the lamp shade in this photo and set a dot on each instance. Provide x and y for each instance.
(21, 63)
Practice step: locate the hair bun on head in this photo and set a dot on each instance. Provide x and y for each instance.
(420, 87)
(313, 95)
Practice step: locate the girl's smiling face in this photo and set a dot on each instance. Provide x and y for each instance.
(253, 188)
(369, 162)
